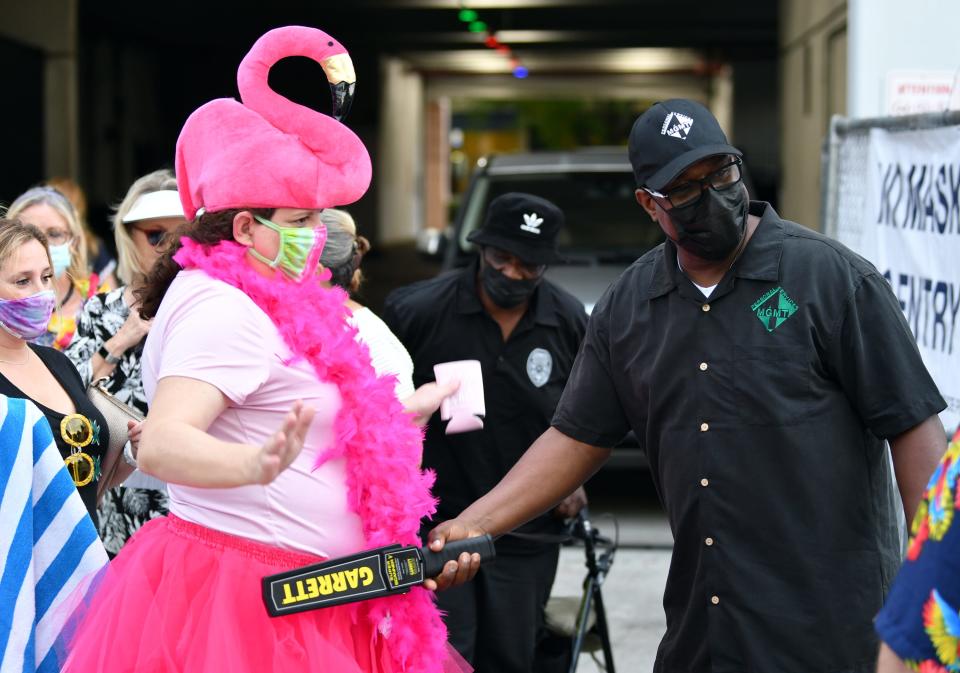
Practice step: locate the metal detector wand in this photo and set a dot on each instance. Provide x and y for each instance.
(370, 574)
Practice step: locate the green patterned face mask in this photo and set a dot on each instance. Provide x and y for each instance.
(300, 248)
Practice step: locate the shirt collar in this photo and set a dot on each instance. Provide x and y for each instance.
(760, 259)
(542, 305)
(468, 301)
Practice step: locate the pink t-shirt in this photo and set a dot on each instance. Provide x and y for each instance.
(213, 332)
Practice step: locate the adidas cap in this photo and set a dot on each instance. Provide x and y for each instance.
(523, 224)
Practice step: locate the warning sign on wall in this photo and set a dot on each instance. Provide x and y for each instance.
(913, 91)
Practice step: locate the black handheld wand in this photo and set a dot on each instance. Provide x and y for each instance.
(369, 574)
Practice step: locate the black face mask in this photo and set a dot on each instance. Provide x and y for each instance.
(506, 292)
(714, 227)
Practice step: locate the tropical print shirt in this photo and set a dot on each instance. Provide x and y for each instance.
(921, 618)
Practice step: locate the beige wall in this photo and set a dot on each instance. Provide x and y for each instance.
(51, 25)
(813, 85)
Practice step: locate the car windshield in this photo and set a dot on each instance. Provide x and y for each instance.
(603, 220)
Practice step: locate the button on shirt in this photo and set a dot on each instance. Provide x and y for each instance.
(763, 414)
(442, 320)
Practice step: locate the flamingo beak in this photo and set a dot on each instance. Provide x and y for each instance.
(343, 80)
(342, 93)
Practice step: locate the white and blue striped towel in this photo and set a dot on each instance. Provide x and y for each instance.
(48, 545)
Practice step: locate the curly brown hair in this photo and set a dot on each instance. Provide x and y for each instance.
(208, 229)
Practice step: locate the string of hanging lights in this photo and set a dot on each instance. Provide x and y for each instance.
(472, 20)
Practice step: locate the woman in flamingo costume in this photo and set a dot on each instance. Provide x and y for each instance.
(280, 445)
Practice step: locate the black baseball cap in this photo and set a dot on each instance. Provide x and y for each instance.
(670, 137)
(522, 224)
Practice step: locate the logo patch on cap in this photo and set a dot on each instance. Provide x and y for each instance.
(679, 128)
(531, 223)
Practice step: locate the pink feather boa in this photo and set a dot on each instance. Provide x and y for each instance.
(382, 445)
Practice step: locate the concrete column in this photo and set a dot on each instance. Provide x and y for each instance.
(398, 166)
(51, 25)
(61, 132)
(721, 99)
(437, 167)
(813, 63)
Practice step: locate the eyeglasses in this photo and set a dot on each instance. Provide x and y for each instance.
(498, 259)
(77, 431)
(690, 193)
(58, 237)
(154, 236)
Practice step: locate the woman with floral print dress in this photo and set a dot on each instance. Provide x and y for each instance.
(110, 336)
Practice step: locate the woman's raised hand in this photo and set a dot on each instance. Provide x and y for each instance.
(133, 330)
(283, 446)
(426, 399)
(135, 429)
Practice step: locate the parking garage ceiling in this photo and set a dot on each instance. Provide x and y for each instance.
(743, 30)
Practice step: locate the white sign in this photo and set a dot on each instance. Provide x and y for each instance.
(913, 237)
(913, 92)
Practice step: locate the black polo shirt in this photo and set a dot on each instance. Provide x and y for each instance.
(763, 411)
(441, 320)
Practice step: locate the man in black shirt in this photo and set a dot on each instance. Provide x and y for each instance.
(762, 366)
(525, 331)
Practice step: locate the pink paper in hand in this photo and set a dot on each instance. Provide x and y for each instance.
(464, 406)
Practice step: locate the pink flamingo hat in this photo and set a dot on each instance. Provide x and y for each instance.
(267, 151)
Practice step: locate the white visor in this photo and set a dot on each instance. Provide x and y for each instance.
(165, 203)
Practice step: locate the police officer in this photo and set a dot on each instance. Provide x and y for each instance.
(525, 332)
(762, 366)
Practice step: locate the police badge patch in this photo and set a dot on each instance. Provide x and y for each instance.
(539, 366)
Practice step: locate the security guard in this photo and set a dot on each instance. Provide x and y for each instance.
(525, 332)
(762, 366)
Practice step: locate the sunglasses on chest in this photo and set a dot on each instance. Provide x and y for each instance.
(77, 431)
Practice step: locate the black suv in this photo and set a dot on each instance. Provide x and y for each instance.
(605, 228)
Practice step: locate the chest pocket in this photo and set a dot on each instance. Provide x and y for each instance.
(773, 384)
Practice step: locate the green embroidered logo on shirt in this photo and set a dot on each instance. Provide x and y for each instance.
(773, 308)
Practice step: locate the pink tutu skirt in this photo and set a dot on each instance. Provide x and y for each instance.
(187, 599)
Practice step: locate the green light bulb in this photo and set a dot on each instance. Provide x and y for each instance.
(468, 15)
(477, 27)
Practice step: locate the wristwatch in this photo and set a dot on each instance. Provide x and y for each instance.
(109, 357)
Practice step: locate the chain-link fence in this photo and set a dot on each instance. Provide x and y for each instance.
(843, 196)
